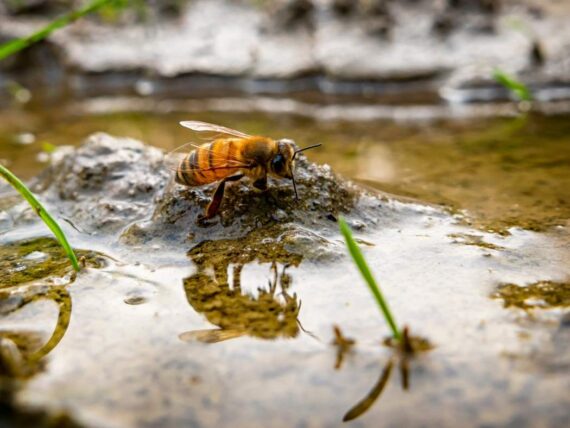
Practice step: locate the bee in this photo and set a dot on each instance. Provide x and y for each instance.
(231, 155)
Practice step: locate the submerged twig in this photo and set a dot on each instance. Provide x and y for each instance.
(41, 212)
(358, 258)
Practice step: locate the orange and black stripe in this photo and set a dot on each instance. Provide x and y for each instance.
(209, 163)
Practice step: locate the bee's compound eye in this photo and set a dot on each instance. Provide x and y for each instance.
(278, 163)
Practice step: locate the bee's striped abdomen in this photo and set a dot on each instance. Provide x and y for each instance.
(210, 162)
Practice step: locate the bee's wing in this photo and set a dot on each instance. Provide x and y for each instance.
(211, 129)
(210, 336)
(173, 159)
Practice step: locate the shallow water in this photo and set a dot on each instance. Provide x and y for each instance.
(502, 171)
(214, 339)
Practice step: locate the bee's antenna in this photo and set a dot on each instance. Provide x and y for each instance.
(295, 187)
(306, 148)
(293, 177)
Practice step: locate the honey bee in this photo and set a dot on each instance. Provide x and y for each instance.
(230, 155)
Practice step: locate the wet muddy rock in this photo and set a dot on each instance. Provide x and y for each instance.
(120, 188)
(105, 184)
(178, 210)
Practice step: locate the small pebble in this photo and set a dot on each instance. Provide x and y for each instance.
(357, 225)
(144, 87)
(135, 300)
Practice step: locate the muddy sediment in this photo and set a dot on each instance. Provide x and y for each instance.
(106, 184)
(542, 294)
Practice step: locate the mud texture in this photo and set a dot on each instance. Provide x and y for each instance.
(105, 184)
(322, 197)
(539, 295)
(38, 259)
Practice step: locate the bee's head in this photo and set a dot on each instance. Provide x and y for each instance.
(282, 163)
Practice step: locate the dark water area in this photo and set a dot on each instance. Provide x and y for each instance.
(239, 332)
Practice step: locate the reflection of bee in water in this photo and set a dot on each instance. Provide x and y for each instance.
(271, 314)
(229, 156)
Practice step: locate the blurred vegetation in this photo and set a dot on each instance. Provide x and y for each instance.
(107, 10)
(14, 46)
(518, 89)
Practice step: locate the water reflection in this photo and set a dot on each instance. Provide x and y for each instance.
(403, 352)
(364, 405)
(34, 270)
(343, 346)
(216, 290)
(21, 352)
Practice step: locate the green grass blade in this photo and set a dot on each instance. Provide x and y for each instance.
(41, 211)
(17, 45)
(358, 258)
(519, 89)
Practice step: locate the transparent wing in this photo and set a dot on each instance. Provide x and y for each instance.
(173, 159)
(210, 336)
(214, 130)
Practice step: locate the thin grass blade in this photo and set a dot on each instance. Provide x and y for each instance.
(41, 211)
(360, 262)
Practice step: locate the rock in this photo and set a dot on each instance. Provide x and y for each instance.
(120, 189)
(105, 184)
(275, 214)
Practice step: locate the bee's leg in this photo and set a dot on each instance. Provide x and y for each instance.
(237, 278)
(214, 205)
(261, 183)
(273, 284)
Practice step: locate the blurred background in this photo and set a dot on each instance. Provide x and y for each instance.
(460, 102)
